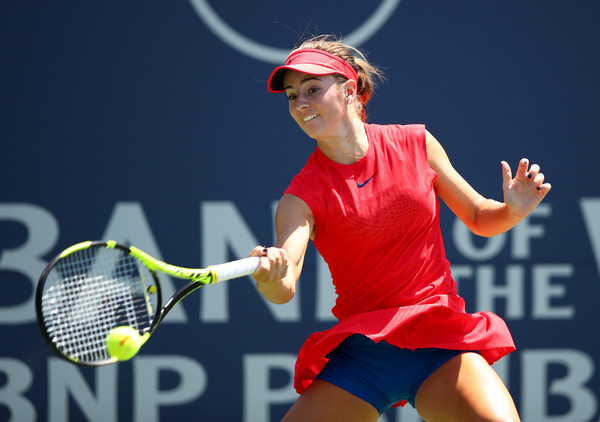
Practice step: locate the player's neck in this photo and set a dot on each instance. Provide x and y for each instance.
(347, 147)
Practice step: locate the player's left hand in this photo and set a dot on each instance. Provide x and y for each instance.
(523, 193)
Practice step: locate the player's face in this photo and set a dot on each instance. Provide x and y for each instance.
(316, 103)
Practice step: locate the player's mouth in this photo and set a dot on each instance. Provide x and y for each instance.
(309, 117)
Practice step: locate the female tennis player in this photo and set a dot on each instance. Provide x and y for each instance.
(368, 199)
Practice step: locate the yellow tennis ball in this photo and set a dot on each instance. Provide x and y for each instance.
(123, 343)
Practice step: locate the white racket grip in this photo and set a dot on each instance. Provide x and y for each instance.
(235, 269)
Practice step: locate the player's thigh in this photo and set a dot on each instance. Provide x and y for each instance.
(465, 389)
(324, 402)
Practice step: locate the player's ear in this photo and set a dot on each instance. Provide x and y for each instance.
(349, 89)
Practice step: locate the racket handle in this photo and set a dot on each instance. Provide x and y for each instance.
(235, 269)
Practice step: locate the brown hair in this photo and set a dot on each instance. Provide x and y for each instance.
(367, 73)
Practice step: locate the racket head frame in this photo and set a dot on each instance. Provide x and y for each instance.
(154, 287)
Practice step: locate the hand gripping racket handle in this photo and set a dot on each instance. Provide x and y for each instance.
(234, 269)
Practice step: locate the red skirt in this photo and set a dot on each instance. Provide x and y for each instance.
(438, 322)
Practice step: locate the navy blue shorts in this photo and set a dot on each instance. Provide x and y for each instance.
(379, 373)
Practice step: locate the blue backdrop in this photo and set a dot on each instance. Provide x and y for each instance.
(149, 123)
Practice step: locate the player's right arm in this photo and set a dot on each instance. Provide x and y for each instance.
(281, 265)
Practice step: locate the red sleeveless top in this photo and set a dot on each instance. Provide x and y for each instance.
(377, 227)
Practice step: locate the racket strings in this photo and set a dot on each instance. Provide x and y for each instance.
(90, 292)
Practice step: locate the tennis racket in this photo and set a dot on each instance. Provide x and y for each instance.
(93, 287)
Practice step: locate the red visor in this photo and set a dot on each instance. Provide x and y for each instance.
(313, 62)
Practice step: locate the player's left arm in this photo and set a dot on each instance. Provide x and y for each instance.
(484, 216)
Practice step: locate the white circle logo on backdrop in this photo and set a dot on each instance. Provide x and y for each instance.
(275, 55)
